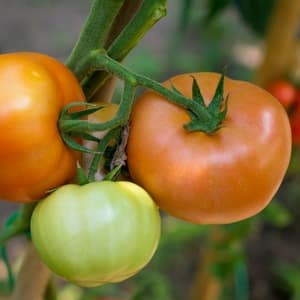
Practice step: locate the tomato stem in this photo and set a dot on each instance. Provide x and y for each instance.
(203, 118)
(96, 29)
(150, 12)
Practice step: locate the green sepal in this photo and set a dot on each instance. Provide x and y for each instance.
(214, 113)
(85, 112)
(85, 136)
(80, 175)
(174, 89)
(65, 114)
(197, 95)
(70, 142)
(216, 103)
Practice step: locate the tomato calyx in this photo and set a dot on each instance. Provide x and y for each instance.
(68, 136)
(216, 110)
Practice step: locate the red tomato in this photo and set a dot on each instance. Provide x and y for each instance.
(295, 125)
(218, 178)
(284, 91)
(33, 157)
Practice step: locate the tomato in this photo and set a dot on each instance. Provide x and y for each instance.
(284, 91)
(33, 157)
(96, 233)
(217, 178)
(295, 125)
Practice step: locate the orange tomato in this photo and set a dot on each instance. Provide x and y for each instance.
(33, 157)
(219, 178)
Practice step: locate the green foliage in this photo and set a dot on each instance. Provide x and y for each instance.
(214, 8)
(153, 286)
(255, 13)
(288, 277)
(276, 214)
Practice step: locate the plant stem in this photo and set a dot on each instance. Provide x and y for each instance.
(128, 10)
(98, 60)
(32, 279)
(150, 12)
(96, 29)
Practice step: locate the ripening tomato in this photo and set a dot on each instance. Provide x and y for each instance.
(295, 125)
(97, 233)
(210, 178)
(283, 91)
(33, 157)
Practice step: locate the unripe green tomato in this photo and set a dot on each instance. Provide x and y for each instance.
(97, 233)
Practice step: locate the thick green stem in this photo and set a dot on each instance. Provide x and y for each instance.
(150, 12)
(120, 119)
(96, 29)
(98, 60)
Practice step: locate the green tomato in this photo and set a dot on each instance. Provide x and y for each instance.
(97, 233)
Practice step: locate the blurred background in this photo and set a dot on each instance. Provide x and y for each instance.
(256, 259)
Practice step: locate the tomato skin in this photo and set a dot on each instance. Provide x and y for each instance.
(283, 91)
(33, 157)
(97, 233)
(210, 179)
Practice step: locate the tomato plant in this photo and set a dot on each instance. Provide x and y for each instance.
(210, 178)
(284, 91)
(33, 157)
(97, 233)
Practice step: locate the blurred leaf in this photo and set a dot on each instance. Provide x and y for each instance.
(152, 286)
(215, 7)
(276, 214)
(185, 16)
(255, 13)
(289, 276)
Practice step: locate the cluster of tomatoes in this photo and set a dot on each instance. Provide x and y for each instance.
(107, 231)
(92, 234)
(288, 95)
